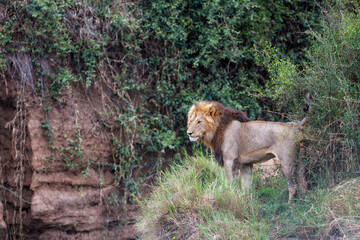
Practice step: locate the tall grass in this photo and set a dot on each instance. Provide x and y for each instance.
(195, 201)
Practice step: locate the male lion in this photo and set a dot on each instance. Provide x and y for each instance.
(238, 143)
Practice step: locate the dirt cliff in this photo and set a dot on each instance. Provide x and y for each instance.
(57, 180)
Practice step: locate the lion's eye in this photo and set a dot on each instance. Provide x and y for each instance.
(198, 122)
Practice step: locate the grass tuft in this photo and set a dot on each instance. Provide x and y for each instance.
(343, 211)
(194, 201)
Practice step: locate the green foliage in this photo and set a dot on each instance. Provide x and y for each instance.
(45, 124)
(213, 41)
(73, 151)
(48, 33)
(5, 39)
(283, 73)
(90, 55)
(207, 31)
(331, 76)
(61, 81)
(46, 29)
(137, 130)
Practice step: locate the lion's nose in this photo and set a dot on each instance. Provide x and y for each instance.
(189, 133)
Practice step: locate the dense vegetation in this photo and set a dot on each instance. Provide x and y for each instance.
(331, 75)
(152, 59)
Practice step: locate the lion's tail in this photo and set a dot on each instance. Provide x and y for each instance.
(307, 108)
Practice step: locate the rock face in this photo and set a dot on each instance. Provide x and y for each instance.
(3, 230)
(57, 181)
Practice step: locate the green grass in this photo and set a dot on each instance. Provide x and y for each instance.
(195, 201)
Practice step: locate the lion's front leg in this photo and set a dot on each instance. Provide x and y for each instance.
(246, 176)
(228, 165)
(230, 159)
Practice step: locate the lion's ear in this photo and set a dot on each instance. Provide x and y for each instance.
(213, 111)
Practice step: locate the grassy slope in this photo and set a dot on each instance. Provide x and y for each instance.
(195, 201)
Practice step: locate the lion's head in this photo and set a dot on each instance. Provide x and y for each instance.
(207, 119)
(202, 122)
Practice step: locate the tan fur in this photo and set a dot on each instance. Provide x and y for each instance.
(240, 143)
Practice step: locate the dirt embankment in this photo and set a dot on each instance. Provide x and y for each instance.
(57, 180)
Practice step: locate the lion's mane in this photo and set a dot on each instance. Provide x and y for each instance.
(221, 116)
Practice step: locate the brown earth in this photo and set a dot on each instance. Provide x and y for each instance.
(43, 195)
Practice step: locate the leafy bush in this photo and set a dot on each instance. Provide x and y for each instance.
(331, 76)
(206, 47)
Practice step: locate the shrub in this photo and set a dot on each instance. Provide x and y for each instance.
(331, 76)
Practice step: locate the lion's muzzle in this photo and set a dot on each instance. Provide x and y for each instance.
(191, 137)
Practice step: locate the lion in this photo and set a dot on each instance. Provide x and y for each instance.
(238, 143)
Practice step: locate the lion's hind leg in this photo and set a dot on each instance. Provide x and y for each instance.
(300, 177)
(287, 162)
